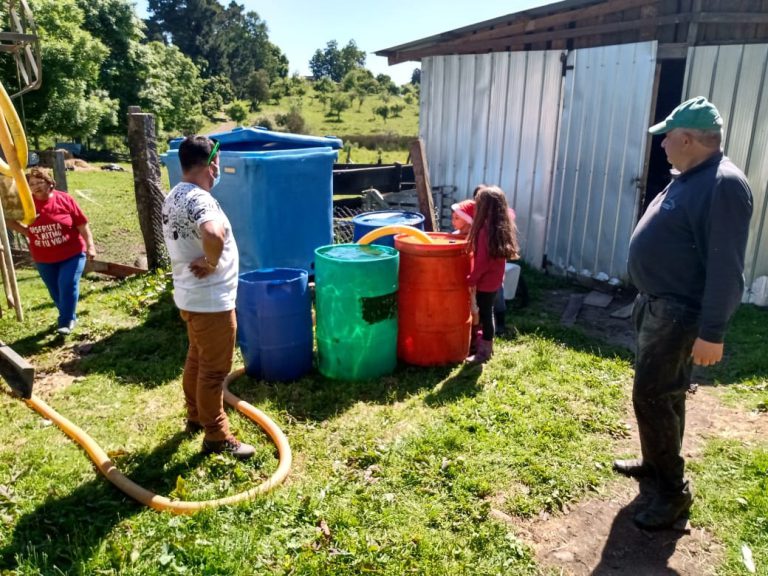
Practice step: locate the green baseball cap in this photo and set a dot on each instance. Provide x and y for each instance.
(697, 114)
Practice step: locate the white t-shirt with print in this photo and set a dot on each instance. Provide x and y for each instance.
(185, 209)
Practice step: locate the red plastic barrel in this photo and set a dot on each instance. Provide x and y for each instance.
(434, 317)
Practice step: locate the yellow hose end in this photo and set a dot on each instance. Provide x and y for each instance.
(420, 235)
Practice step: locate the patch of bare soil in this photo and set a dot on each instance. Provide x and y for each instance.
(597, 535)
(595, 321)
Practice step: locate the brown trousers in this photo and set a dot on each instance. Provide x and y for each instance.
(209, 360)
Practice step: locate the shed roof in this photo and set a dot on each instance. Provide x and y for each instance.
(675, 24)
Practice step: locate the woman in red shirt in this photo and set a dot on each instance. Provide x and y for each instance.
(59, 240)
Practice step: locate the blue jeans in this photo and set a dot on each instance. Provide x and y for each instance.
(63, 282)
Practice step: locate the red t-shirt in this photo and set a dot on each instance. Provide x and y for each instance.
(53, 236)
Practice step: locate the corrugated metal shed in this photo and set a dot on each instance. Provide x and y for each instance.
(583, 216)
(736, 79)
(493, 118)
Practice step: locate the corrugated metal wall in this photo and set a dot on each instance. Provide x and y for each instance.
(735, 79)
(603, 131)
(493, 118)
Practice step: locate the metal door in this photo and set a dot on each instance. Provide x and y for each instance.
(604, 123)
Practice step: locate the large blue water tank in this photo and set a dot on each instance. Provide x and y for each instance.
(370, 221)
(277, 191)
(274, 323)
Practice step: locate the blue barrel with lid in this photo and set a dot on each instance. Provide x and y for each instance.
(274, 323)
(370, 221)
(277, 191)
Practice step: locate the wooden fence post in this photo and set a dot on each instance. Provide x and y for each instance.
(60, 170)
(423, 186)
(146, 184)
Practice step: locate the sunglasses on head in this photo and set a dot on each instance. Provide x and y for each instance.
(216, 145)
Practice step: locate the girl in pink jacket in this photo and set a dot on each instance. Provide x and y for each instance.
(493, 240)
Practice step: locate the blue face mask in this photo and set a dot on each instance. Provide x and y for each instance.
(217, 178)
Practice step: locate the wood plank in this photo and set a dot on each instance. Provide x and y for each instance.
(113, 269)
(19, 373)
(525, 25)
(724, 18)
(423, 186)
(572, 309)
(503, 44)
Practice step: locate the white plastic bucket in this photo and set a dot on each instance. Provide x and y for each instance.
(511, 277)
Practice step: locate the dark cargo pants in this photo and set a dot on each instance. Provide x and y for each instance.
(665, 331)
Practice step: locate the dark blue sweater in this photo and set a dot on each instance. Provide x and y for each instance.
(689, 245)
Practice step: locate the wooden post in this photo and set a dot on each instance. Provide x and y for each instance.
(146, 184)
(423, 186)
(60, 170)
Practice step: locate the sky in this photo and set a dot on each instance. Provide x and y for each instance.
(299, 27)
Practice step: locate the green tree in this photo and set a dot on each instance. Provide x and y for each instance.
(257, 88)
(334, 63)
(172, 89)
(387, 85)
(382, 111)
(115, 24)
(217, 93)
(339, 102)
(238, 111)
(225, 41)
(359, 82)
(70, 101)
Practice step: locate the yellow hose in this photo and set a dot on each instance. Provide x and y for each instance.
(395, 229)
(14, 145)
(144, 496)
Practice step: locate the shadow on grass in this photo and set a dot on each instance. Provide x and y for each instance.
(63, 532)
(463, 384)
(318, 398)
(150, 354)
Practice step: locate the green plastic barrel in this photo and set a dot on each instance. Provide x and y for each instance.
(356, 306)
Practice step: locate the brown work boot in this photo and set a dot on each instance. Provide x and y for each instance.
(230, 445)
(665, 510)
(633, 468)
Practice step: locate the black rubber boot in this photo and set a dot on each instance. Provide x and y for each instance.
(633, 468)
(665, 509)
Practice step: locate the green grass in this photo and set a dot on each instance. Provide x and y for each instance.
(403, 470)
(393, 476)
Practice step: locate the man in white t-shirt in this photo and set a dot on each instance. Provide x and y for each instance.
(205, 266)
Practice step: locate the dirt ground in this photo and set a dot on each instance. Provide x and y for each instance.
(597, 536)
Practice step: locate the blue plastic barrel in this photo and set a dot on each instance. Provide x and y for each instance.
(274, 323)
(370, 221)
(277, 191)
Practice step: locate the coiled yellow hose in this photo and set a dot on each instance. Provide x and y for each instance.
(14, 144)
(144, 496)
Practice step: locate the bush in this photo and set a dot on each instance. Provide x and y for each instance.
(293, 121)
(265, 122)
(238, 111)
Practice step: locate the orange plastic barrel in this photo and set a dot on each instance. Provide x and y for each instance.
(434, 317)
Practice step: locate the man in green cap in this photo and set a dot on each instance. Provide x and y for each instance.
(686, 258)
